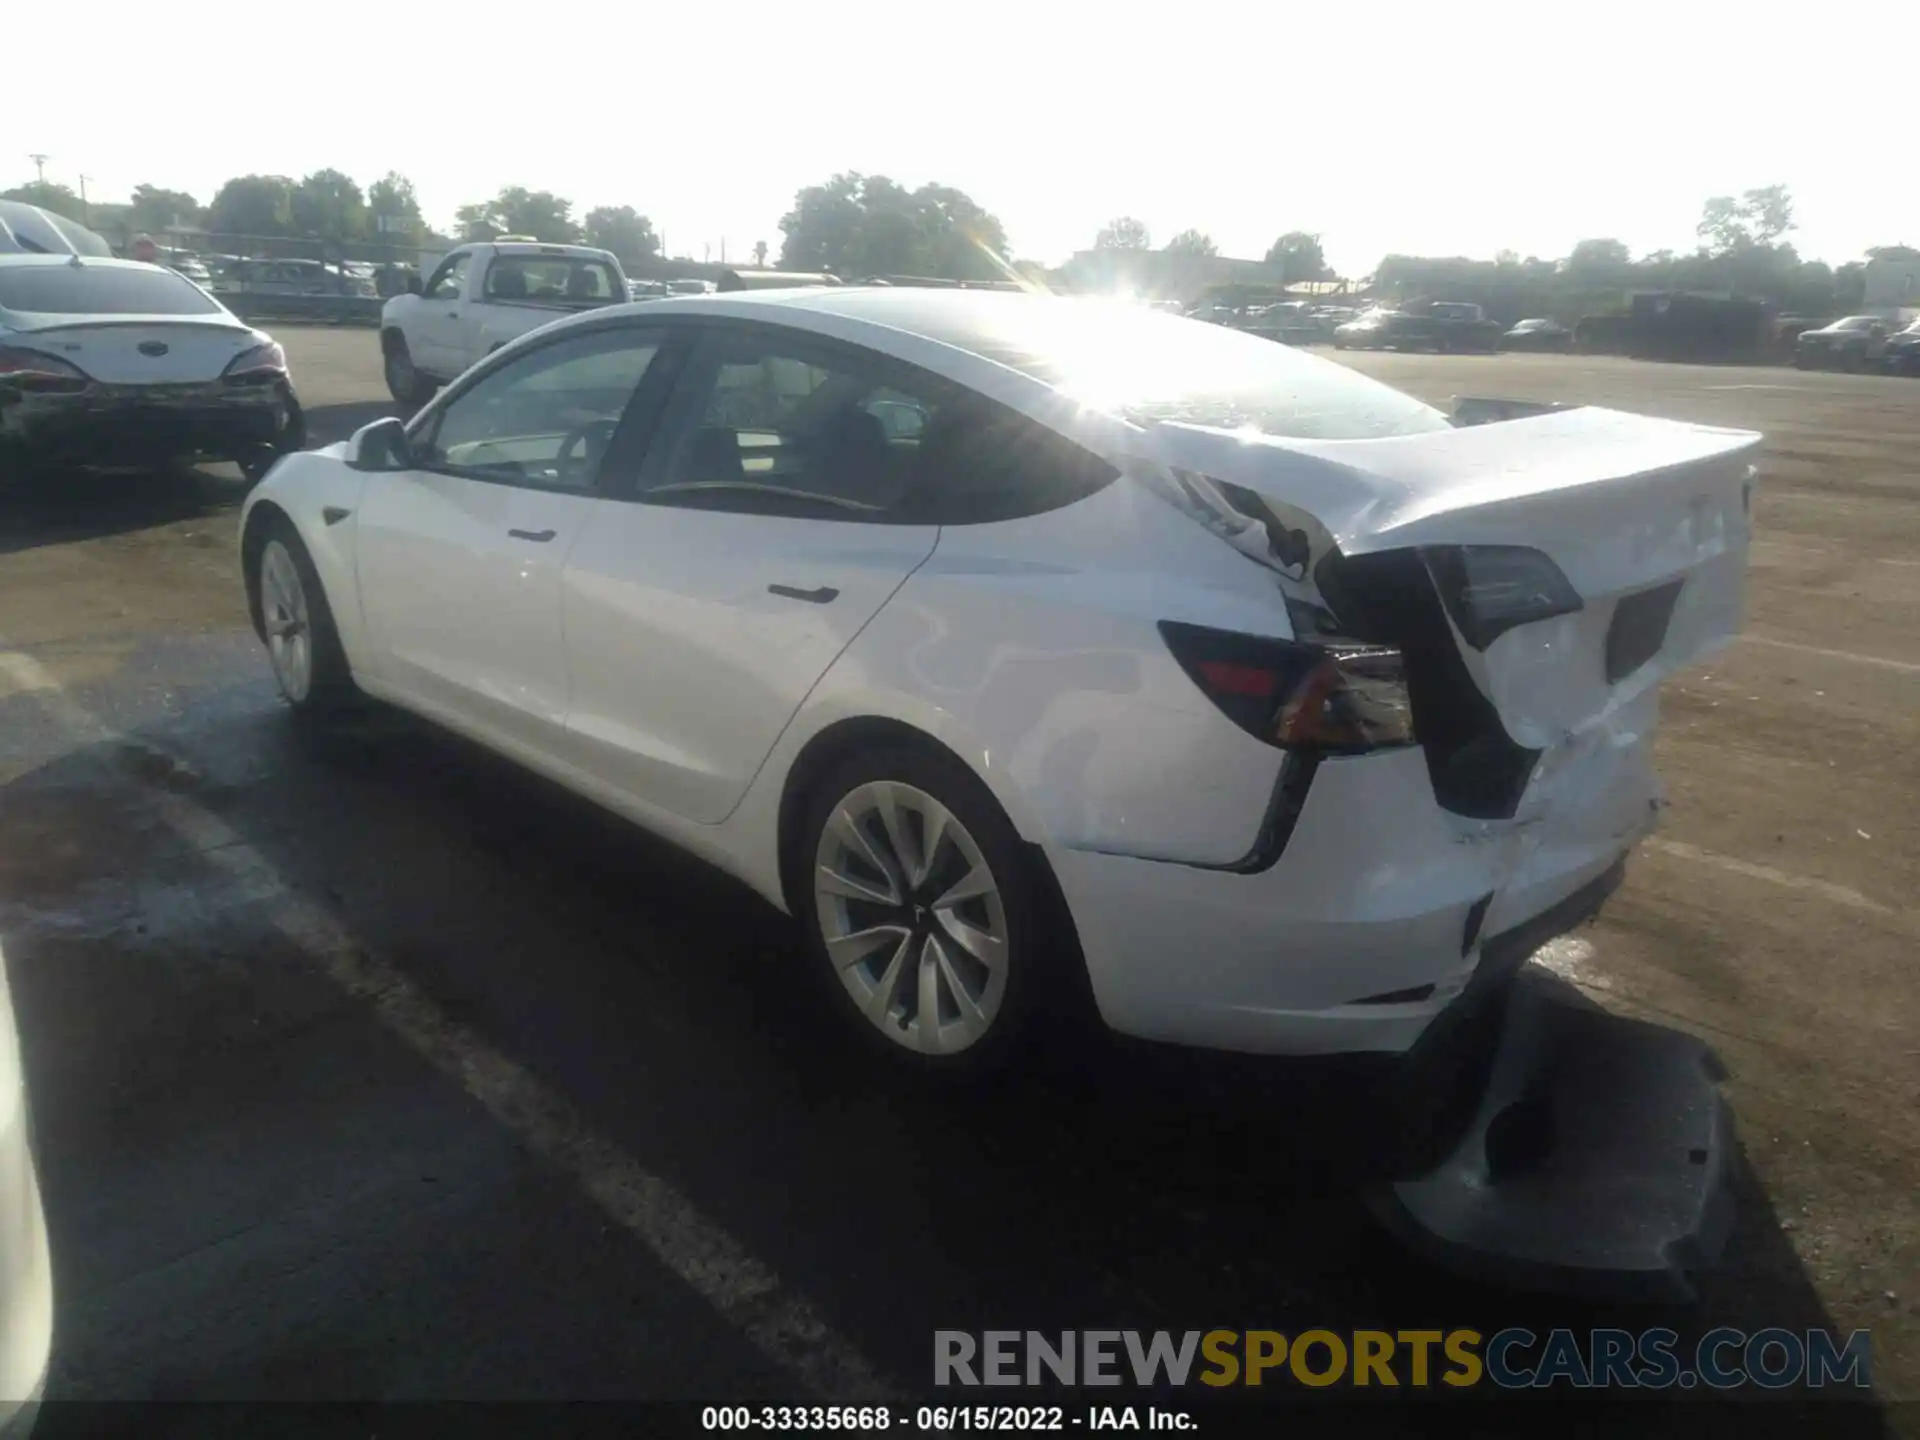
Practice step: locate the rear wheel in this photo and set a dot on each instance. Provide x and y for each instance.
(922, 911)
(296, 623)
(404, 382)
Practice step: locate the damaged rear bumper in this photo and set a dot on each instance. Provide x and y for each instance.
(1548, 1144)
(139, 425)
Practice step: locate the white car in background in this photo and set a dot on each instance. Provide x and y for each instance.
(1032, 649)
(115, 362)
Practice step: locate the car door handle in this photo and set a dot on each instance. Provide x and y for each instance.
(822, 596)
(539, 537)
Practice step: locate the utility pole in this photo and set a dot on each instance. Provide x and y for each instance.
(86, 215)
(39, 169)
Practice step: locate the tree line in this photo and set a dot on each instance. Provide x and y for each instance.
(857, 225)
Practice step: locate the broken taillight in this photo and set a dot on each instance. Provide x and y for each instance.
(1491, 589)
(1326, 697)
(34, 370)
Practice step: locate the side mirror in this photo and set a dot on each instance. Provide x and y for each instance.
(414, 287)
(383, 445)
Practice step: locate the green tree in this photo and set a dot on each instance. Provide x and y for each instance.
(1599, 257)
(394, 210)
(870, 225)
(1849, 286)
(1892, 252)
(1300, 258)
(253, 205)
(760, 253)
(1755, 218)
(152, 207)
(1124, 233)
(624, 231)
(48, 196)
(329, 204)
(517, 210)
(1192, 242)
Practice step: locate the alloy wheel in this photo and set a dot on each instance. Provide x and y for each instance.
(283, 611)
(912, 918)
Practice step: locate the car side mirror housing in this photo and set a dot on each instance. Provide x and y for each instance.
(383, 445)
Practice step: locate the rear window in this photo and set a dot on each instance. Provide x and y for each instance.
(1149, 366)
(95, 290)
(553, 279)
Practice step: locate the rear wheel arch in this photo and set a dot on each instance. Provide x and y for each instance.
(845, 739)
(262, 520)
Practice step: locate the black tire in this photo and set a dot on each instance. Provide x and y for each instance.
(1034, 958)
(330, 689)
(406, 384)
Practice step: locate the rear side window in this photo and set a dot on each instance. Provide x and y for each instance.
(981, 462)
(556, 279)
(98, 290)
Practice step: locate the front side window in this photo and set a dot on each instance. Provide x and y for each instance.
(770, 426)
(449, 278)
(544, 418)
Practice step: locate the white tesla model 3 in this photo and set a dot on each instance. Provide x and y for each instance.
(1029, 649)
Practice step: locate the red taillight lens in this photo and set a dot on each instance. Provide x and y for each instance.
(1327, 698)
(261, 363)
(35, 370)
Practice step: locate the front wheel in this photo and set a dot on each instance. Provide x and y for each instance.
(922, 911)
(294, 619)
(404, 381)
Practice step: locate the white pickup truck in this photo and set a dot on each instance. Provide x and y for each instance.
(478, 298)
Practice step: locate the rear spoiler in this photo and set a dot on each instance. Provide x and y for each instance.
(1478, 410)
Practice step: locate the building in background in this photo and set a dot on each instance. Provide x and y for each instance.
(1892, 288)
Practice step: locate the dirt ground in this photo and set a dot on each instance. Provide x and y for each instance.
(1775, 916)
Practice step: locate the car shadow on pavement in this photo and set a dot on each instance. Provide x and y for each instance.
(89, 504)
(1106, 1186)
(85, 505)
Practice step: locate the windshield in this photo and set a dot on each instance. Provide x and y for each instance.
(97, 290)
(1150, 366)
(553, 279)
(1856, 322)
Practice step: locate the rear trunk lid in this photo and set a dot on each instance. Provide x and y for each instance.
(135, 350)
(1431, 542)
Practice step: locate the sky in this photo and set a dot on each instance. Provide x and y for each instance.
(1457, 129)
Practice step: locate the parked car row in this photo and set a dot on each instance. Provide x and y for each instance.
(1859, 342)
